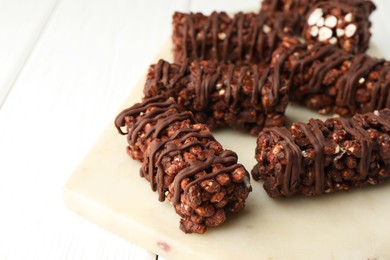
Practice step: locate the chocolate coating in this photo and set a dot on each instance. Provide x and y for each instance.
(238, 96)
(330, 80)
(322, 157)
(343, 23)
(184, 163)
(245, 38)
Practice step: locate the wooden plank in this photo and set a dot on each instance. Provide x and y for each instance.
(21, 23)
(82, 68)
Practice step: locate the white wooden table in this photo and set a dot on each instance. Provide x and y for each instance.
(66, 66)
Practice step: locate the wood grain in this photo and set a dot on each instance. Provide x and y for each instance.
(79, 72)
(21, 24)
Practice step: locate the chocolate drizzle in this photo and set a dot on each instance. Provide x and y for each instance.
(361, 66)
(291, 177)
(162, 72)
(360, 10)
(353, 128)
(235, 76)
(300, 11)
(159, 149)
(159, 114)
(333, 56)
(278, 68)
(317, 140)
(256, 88)
(358, 142)
(312, 70)
(380, 95)
(140, 108)
(205, 81)
(204, 87)
(224, 39)
(334, 59)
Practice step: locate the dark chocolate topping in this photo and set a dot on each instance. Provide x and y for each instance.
(309, 70)
(361, 66)
(352, 127)
(301, 10)
(291, 177)
(360, 143)
(161, 74)
(251, 44)
(279, 66)
(205, 82)
(316, 138)
(380, 94)
(361, 21)
(160, 114)
(333, 55)
(137, 109)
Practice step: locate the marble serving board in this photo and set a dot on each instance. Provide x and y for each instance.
(107, 189)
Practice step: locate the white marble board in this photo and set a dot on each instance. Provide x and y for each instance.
(107, 189)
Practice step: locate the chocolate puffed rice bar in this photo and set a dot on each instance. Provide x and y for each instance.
(330, 80)
(238, 96)
(184, 163)
(323, 157)
(343, 23)
(243, 39)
